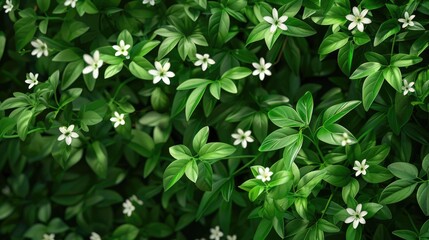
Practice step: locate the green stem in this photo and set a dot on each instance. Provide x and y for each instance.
(393, 45)
(119, 88)
(29, 132)
(327, 205)
(247, 164)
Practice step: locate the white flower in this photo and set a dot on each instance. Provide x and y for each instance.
(94, 236)
(215, 233)
(136, 199)
(118, 119)
(358, 19)
(407, 20)
(233, 237)
(275, 21)
(161, 73)
(204, 61)
(408, 87)
(242, 137)
(71, 3)
(151, 2)
(356, 216)
(264, 174)
(8, 6)
(261, 69)
(128, 208)
(40, 48)
(346, 140)
(48, 236)
(360, 167)
(94, 63)
(67, 134)
(32, 80)
(122, 48)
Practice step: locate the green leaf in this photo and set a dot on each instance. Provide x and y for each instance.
(292, 149)
(354, 234)
(127, 37)
(337, 175)
(423, 197)
(158, 230)
(71, 73)
(219, 26)
(258, 33)
(174, 172)
(180, 152)
(309, 181)
(200, 138)
(333, 42)
(90, 118)
(333, 134)
(338, 111)
(215, 89)
(139, 72)
(377, 174)
(70, 95)
(25, 28)
(366, 69)
(263, 229)
(406, 234)
(345, 58)
(6, 209)
(326, 226)
(125, 232)
(285, 116)
(23, 123)
(237, 73)
(96, 157)
(56, 225)
(67, 55)
(361, 38)
(193, 83)
(298, 28)
(217, 150)
(2, 44)
(404, 60)
(371, 87)
(350, 191)
(228, 85)
(371, 208)
(304, 107)
(191, 170)
(387, 29)
(193, 100)
(403, 170)
(397, 191)
(73, 29)
(278, 139)
(393, 76)
(167, 45)
(205, 176)
(112, 70)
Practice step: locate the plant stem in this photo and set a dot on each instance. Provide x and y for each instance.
(247, 164)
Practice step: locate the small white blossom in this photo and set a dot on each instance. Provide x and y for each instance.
(94, 236)
(407, 20)
(67, 134)
(356, 216)
(346, 140)
(8, 6)
(215, 233)
(261, 69)
(71, 3)
(358, 19)
(242, 137)
(264, 174)
(128, 207)
(94, 63)
(136, 199)
(151, 2)
(232, 237)
(360, 167)
(40, 48)
(408, 87)
(161, 73)
(122, 48)
(275, 21)
(32, 80)
(118, 119)
(48, 236)
(204, 61)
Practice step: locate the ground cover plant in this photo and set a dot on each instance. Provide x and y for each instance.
(230, 119)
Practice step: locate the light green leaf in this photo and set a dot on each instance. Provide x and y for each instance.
(397, 191)
(216, 150)
(298, 28)
(365, 70)
(193, 83)
(338, 111)
(191, 170)
(403, 170)
(393, 76)
(423, 197)
(278, 139)
(285, 116)
(387, 29)
(237, 73)
(193, 101)
(371, 87)
(333, 42)
(96, 157)
(404, 60)
(304, 107)
(112, 70)
(174, 172)
(200, 138)
(180, 152)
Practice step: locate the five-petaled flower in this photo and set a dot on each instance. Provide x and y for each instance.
(40, 48)
(122, 48)
(261, 69)
(264, 174)
(151, 2)
(242, 137)
(360, 167)
(32, 80)
(118, 119)
(346, 140)
(71, 3)
(407, 20)
(408, 87)
(128, 207)
(48, 236)
(94, 236)
(204, 61)
(8, 6)
(94, 63)
(358, 19)
(161, 73)
(215, 233)
(356, 216)
(275, 21)
(231, 237)
(67, 134)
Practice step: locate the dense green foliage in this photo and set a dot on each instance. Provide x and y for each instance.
(230, 119)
